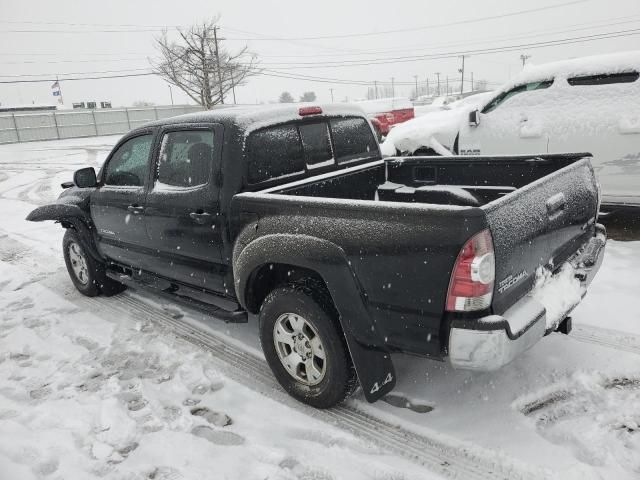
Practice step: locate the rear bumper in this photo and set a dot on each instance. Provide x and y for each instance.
(490, 342)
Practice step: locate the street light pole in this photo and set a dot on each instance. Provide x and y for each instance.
(331, 90)
(462, 79)
(170, 94)
(416, 78)
(438, 75)
(393, 87)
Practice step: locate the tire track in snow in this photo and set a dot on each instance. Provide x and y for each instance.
(445, 457)
(607, 338)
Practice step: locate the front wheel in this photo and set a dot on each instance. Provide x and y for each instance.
(304, 346)
(86, 273)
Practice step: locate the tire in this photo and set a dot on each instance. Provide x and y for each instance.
(87, 274)
(331, 379)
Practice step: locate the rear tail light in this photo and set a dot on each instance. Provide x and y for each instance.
(471, 284)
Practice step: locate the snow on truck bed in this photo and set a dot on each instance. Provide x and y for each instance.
(91, 389)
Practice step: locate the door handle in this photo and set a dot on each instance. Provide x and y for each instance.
(135, 209)
(200, 217)
(556, 204)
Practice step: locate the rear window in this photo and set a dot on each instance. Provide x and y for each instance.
(273, 153)
(316, 144)
(604, 79)
(352, 139)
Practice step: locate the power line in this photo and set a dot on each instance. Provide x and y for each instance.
(71, 79)
(424, 27)
(529, 34)
(452, 54)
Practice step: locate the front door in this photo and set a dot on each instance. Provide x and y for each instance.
(117, 205)
(182, 207)
(514, 122)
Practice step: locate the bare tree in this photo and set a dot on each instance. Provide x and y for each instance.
(197, 63)
(308, 97)
(286, 97)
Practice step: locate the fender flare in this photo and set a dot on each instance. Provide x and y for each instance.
(70, 215)
(364, 339)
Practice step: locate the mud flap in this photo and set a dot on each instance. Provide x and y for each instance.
(374, 368)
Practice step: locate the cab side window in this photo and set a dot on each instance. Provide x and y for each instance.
(274, 152)
(504, 96)
(353, 139)
(185, 158)
(128, 166)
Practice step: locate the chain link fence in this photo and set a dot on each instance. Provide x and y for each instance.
(59, 124)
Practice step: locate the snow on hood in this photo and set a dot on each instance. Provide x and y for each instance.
(434, 130)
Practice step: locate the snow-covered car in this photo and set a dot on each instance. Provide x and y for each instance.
(589, 104)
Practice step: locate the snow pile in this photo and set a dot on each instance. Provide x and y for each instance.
(558, 293)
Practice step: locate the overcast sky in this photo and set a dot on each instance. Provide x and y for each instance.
(121, 39)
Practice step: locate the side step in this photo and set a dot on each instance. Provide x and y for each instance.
(180, 295)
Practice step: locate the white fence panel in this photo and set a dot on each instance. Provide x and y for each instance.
(27, 127)
(8, 132)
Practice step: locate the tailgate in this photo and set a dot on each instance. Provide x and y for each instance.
(540, 224)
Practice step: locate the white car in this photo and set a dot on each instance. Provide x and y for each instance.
(589, 104)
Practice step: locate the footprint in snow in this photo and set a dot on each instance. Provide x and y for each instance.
(217, 437)
(165, 473)
(400, 401)
(215, 418)
(604, 411)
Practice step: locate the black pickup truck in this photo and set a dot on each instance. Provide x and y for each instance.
(290, 212)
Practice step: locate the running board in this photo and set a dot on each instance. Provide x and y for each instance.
(179, 294)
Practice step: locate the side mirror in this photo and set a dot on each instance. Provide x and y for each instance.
(85, 178)
(474, 118)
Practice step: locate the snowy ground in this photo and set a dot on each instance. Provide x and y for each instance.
(124, 387)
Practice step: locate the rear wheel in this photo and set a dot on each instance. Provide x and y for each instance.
(305, 347)
(87, 274)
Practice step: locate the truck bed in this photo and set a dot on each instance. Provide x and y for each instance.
(401, 223)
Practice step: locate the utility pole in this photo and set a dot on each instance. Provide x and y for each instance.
(462, 72)
(393, 87)
(416, 78)
(427, 86)
(331, 90)
(233, 88)
(375, 87)
(215, 39)
(170, 94)
(524, 58)
(472, 85)
(438, 75)
(447, 94)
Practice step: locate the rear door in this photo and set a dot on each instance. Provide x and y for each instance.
(601, 115)
(540, 224)
(182, 207)
(117, 205)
